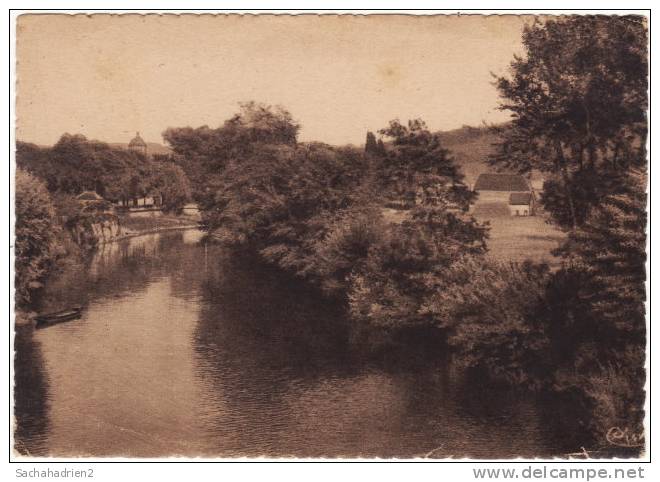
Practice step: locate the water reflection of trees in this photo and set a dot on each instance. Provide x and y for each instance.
(109, 272)
(285, 381)
(115, 269)
(277, 373)
(30, 395)
(526, 417)
(261, 339)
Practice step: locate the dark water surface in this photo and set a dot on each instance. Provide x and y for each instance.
(184, 349)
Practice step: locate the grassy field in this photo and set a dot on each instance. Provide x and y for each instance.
(522, 238)
(512, 239)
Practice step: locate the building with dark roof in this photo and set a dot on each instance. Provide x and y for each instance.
(508, 191)
(501, 182)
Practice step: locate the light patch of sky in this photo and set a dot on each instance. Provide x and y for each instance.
(109, 76)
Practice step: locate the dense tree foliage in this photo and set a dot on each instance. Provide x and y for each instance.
(370, 145)
(405, 265)
(611, 245)
(417, 160)
(258, 187)
(608, 254)
(315, 210)
(204, 153)
(75, 164)
(373, 147)
(493, 313)
(36, 231)
(578, 99)
(283, 200)
(173, 186)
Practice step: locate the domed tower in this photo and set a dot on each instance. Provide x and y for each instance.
(138, 144)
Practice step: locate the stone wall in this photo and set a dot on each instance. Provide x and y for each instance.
(91, 230)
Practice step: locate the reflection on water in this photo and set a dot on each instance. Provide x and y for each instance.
(186, 349)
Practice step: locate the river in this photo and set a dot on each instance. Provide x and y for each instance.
(187, 349)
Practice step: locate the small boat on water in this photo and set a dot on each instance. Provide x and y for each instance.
(58, 316)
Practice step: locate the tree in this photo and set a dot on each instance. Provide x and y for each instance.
(261, 123)
(597, 315)
(75, 164)
(417, 160)
(36, 235)
(261, 189)
(380, 148)
(610, 249)
(408, 265)
(405, 265)
(578, 102)
(204, 153)
(370, 146)
(491, 312)
(173, 186)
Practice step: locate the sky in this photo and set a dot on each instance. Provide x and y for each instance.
(109, 76)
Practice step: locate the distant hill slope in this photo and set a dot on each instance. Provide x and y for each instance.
(152, 147)
(470, 147)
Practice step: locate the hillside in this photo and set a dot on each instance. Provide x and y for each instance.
(470, 147)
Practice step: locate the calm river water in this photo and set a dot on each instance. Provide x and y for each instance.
(184, 349)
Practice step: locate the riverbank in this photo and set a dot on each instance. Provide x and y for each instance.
(137, 226)
(129, 227)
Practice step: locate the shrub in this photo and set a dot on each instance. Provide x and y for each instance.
(345, 248)
(36, 235)
(406, 267)
(491, 311)
(173, 185)
(607, 396)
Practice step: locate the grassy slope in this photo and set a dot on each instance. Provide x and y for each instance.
(470, 147)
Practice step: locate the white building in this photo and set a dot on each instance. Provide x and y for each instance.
(521, 204)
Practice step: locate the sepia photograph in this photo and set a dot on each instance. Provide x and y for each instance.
(330, 236)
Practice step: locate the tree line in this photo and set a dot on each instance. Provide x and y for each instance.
(75, 164)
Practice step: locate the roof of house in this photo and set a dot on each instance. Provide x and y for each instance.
(519, 198)
(500, 182)
(137, 141)
(89, 196)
